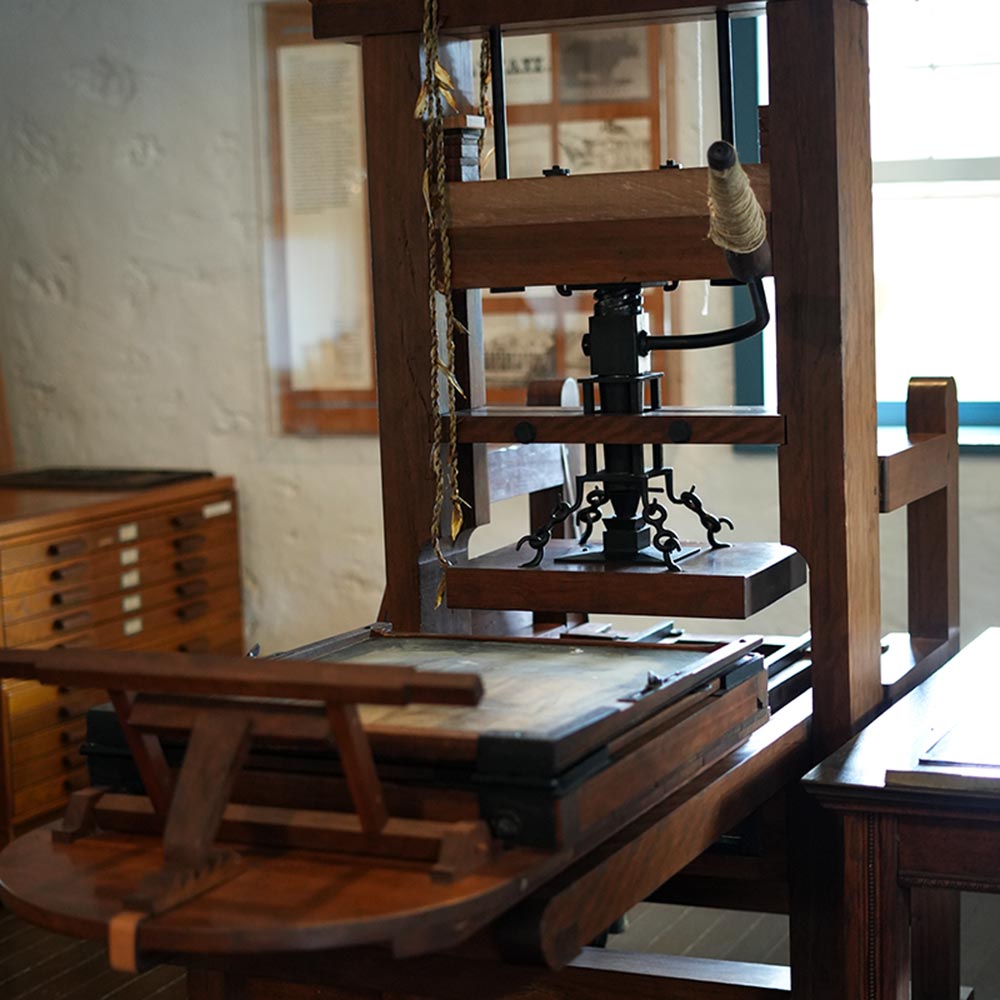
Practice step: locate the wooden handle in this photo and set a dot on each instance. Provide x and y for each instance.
(189, 543)
(193, 588)
(72, 572)
(71, 622)
(73, 596)
(192, 611)
(68, 737)
(70, 547)
(80, 642)
(72, 784)
(738, 222)
(199, 645)
(194, 565)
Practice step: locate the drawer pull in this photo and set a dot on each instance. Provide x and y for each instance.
(72, 596)
(71, 622)
(64, 712)
(71, 547)
(192, 611)
(189, 543)
(199, 645)
(68, 762)
(193, 588)
(194, 565)
(72, 572)
(71, 737)
(189, 520)
(80, 642)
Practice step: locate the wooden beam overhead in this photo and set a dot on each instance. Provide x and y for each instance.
(355, 18)
(643, 226)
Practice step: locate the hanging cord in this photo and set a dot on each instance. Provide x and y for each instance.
(485, 105)
(437, 89)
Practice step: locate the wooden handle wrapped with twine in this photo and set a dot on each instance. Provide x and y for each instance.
(737, 222)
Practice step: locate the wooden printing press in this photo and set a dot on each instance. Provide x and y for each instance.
(460, 803)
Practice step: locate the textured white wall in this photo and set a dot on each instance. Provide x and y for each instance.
(131, 318)
(131, 312)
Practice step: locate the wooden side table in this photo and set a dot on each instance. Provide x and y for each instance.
(881, 897)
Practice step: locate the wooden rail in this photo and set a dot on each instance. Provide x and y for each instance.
(352, 18)
(726, 425)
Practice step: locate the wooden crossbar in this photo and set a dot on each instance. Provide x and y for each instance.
(356, 18)
(177, 673)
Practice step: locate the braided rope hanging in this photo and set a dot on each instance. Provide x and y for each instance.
(436, 91)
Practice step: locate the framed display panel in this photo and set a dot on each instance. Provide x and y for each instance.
(320, 309)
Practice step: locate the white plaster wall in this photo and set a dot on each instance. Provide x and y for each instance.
(131, 314)
(131, 323)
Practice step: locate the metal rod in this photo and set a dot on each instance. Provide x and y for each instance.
(499, 103)
(724, 44)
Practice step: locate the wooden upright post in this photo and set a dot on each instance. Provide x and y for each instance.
(407, 411)
(821, 180)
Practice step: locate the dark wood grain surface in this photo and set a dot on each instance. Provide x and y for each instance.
(340, 18)
(678, 425)
(623, 227)
(733, 582)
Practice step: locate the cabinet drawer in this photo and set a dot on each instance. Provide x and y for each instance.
(213, 637)
(67, 621)
(68, 736)
(54, 708)
(115, 534)
(40, 589)
(62, 763)
(147, 627)
(47, 796)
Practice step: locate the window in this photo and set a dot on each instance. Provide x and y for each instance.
(936, 146)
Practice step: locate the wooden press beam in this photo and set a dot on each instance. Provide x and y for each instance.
(568, 425)
(821, 231)
(588, 229)
(354, 18)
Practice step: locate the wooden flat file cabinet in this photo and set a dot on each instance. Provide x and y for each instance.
(152, 569)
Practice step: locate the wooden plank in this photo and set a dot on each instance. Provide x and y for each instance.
(909, 660)
(177, 673)
(518, 469)
(910, 467)
(595, 975)
(935, 928)
(680, 425)
(734, 582)
(270, 826)
(26, 513)
(359, 767)
(822, 243)
(353, 18)
(647, 226)
(932, 532)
